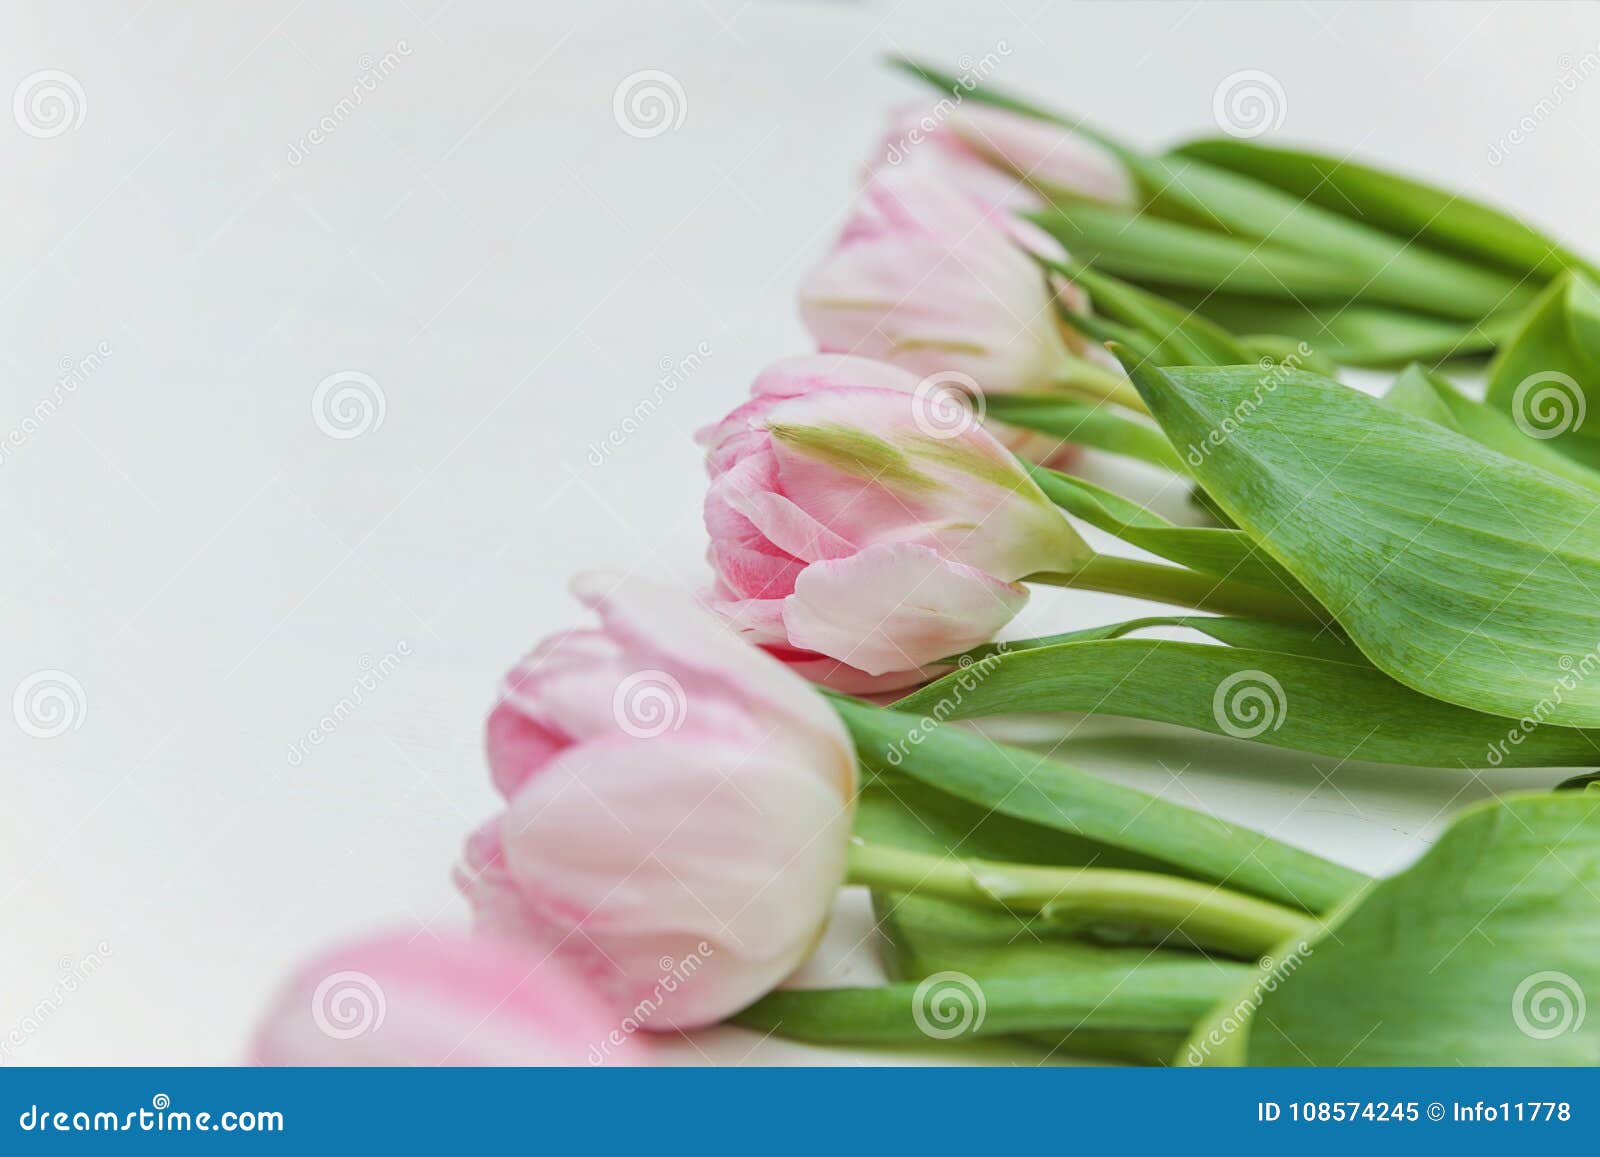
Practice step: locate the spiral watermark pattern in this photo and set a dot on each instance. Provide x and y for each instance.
(1249, 103)
(49, 703)
(1548, 404)
(948, 1005)
(1548, 1004)
(348, 404)
(348, 1004)
(947, 404)
(49, 103)
(648, 103)
(1249, 703)
(649, 703)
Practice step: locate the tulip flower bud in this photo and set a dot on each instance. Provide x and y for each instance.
(998, 157)
(925, 279)
(678, 809)
(864, 532)
(421, 999)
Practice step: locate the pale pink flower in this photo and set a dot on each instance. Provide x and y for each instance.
(862, 529)
(924, 278)
(1000, 158)
(413, 998)
(678, 809)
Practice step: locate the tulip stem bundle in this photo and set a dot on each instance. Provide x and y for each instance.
(1144, 905)
(1098, 384)
(1179, 587)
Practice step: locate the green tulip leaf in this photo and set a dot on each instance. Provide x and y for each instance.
(1277, 684)
(1462, 573)
(1484, 952)
(1407, 208)
(1429, 395)
(1547, 375)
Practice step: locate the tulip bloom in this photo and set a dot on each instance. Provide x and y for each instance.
(999, 158)
(418, 999)
(926, 279)
(860, 533)
(678, 809)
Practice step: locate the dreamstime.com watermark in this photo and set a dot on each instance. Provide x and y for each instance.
(374, 71)
(48, 103)
(673, 374)
(73, 375)
(648, 103)
(649, 703)
(1573, 73)
(973, 73)
(1249, 103)
(674, 975)
(71, 976)
(970, 672)
(1548, 404)
(1273, 973)
(1273, 374)
(348, 1004)
(49, 703)
(947, 1005)
(1249, 703)
(1547, 1005)
(159, 1117)
(1575, 672)
(370, 676)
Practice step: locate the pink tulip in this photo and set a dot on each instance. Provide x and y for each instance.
(678, 809)
(418, 999)
(999, 157)
(924, 278)
(863, 528)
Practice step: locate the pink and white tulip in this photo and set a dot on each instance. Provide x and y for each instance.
(862, 531)
(678, 809)
(417, 999)
(924, 278)
(1001, 158)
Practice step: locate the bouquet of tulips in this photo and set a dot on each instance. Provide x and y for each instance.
(1411, 579)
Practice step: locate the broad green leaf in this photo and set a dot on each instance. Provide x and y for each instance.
(1484, 952)
(1027, 786)
(1428, 395)
(1547, 374)
(1463, 574)
(1408, 208)
(1099, 426)
(1221, 551)
(1275, 684)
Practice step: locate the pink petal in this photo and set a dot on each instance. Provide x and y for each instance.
(897, 608)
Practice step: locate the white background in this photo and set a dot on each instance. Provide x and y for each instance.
(511, 268)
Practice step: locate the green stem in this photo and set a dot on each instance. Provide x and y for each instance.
(1097, 383)
(1178, 587)
(1027, 786)
(1100, 426)
(942, 1008)
(1211, 916)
